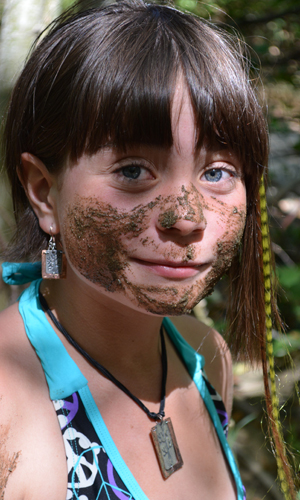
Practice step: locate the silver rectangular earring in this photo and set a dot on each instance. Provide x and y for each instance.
(53, 261)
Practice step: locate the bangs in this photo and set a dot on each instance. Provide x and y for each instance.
(121, 79)
(109, 75)
(129, 94)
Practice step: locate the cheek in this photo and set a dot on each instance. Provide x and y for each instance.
(227, 243)
(224, 249)
(228, 219)
(93, 236)
(232, 222)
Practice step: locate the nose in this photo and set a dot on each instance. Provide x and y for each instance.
(183, 214)
(181, 225)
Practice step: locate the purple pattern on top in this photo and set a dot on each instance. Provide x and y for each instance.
(72, 407)
(223, 414)
(112, 482)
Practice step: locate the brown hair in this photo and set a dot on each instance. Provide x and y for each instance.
(108, 75)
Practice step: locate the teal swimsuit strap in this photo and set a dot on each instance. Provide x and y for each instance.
(62, 374)
(195, 364)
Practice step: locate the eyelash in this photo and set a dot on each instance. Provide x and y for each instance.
(222, 168)
(125, 179)
(145, 175)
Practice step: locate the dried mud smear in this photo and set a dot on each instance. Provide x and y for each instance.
(97, 234)
(8, 462)
(93, 233)
(168, 219)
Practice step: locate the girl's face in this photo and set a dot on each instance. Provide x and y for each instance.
(153, 228)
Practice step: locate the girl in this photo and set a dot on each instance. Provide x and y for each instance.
(134, 145)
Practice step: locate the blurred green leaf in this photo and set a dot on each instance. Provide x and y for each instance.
(284, 344)
(289, 278)
(233, 432)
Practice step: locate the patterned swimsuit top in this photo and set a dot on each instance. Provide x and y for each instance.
(96, 470)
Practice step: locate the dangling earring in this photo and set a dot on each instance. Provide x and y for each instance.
(53, 261)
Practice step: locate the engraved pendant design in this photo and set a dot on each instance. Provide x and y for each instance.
(53, 262)
(166, 447)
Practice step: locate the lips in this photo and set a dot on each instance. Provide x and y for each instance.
(170, 269)
(167, 263)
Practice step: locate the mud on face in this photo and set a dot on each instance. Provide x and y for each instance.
(189, 206)
(96, 236)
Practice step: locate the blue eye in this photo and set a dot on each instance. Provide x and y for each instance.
(213, 175)
(131, 172)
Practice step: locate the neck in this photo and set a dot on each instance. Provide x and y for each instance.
(103, 327)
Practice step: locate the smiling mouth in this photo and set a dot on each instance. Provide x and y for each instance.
(176, 270)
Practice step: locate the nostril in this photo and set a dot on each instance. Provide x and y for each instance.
(187, 223)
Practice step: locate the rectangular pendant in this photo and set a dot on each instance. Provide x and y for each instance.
(53, 264)
(166, 447)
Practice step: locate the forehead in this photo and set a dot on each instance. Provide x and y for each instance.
(183, 123)
(185, 131)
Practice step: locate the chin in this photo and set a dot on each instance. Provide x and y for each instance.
(175, 300)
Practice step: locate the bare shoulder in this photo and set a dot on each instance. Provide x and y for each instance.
(11, 346)
(208, 342)
(17, 358)
(14, 345)
(26, 430)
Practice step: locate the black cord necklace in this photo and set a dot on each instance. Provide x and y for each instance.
(162, 433)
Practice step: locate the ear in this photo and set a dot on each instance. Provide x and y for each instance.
(40, 187)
